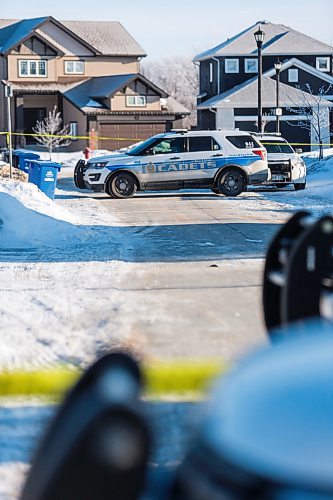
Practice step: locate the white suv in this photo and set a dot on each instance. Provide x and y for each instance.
(224, 161)
(285, 164)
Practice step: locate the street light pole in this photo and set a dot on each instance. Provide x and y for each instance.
(277, 67)
(259, 38)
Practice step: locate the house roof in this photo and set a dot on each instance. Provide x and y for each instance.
(279, 40)
(88, 93)
(12, 34)
(303, 66)
(245, 95)
(109, 37)
(106, 37)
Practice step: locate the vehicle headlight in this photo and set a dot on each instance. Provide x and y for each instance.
(97, 164)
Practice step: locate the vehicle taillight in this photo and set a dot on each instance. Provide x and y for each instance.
(260, 152)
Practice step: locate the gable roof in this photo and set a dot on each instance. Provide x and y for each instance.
(14, 33)
(279, 40)
(88, 93)
(104, 37)
(305, 67)
(245, 95)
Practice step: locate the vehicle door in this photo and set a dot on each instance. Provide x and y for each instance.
(201, 161)
(161, 163)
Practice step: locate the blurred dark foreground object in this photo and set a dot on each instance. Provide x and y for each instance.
(267, 434)
(268, 430)
(97, 446)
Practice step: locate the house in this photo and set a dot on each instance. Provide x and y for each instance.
(91, 72)
(228, 95)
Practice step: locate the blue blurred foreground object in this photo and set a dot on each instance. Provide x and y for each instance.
(269, 429)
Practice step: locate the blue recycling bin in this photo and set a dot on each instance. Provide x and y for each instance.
(20, 156)
(44, 174)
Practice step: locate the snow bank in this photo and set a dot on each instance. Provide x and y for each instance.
(28, 218)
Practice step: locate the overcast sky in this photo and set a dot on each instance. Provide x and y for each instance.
(184, 27)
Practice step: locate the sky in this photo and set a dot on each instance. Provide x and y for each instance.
(184, 27)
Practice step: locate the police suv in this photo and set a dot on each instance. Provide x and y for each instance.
(224, 161)
(285, 164)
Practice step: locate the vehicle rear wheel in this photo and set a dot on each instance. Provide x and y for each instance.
(299, 187)
(122, 185)
(231, 183)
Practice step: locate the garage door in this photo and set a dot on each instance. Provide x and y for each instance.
(133, 132)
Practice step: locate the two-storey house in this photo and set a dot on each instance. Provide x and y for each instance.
(228, 95)
(90, 71)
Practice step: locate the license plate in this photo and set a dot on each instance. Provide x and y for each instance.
(277, 178)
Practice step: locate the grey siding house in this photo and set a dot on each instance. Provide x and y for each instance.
(229, 83)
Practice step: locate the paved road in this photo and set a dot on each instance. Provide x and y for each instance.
(192, 287)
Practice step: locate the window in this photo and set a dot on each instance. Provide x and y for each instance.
(292, 75)
(243, 141)
(204, 143)
(29, 67)
(323, 64)
(232, 66)
(73, 130)
(211, 72)
(74, 67)
(251, 65)
(168, 146)
(136, 100)
(277, 146)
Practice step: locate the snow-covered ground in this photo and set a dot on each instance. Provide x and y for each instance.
(45, 307)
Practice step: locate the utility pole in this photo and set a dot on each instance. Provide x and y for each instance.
(9, 95)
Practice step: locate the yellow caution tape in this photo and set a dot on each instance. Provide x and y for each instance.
(73, 137)
(182, 378)
(97, 137)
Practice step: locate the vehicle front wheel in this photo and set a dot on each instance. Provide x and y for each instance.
(231, 183)
(299, 187)
(122, 185)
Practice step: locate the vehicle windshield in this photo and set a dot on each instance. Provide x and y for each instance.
(274, 146)
(136, 150)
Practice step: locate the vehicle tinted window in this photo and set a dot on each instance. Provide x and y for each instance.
(277, 147)
(169, 146)
(204, 143)
(142, 147)
(243, 141)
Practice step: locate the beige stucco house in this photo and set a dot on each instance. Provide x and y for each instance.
(91, 71)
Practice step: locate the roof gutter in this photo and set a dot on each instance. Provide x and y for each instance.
(218, 73)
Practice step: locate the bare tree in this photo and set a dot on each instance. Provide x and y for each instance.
(264, 120)
(51, 133)
(314, 109)
(179, 77)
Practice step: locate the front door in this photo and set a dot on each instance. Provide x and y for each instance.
(30, 117)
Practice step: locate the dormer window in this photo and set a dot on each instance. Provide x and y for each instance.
(136, 101)
(74, 67)
(231, 66)
(323, 64)
(32, 68)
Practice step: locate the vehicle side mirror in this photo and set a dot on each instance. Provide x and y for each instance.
(299, 150)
